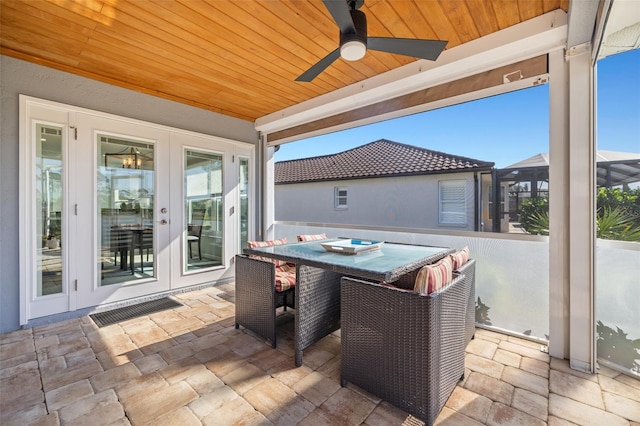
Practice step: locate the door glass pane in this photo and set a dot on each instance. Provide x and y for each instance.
(203, 210)
(244, 201)
(125, 210)
(49, 202)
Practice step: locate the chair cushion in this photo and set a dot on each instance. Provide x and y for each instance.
(269, 243)
(312, 237)
(459, 258)
(285, 277)
(432, 278)
(286, 267)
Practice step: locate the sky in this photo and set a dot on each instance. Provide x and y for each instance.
(504, 129)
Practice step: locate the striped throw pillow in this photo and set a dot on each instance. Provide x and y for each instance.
(432, 278)
(312, 237)
(270, 243)
(459, 258)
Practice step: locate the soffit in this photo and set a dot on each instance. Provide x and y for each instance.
(622, 30)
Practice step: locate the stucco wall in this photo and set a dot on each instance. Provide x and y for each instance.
(20, 77)
(406, 201)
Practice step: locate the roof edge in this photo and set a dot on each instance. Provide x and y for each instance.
(439, 172)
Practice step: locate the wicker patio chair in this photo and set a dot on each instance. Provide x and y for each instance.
(404, 347)
(469, 271)
(256, 298)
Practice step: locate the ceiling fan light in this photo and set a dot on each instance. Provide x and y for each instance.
(353, 50)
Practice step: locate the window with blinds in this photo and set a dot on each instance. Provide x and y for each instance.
(452, 202)
(340, 199)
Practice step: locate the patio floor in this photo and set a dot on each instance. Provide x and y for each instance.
(190, 366)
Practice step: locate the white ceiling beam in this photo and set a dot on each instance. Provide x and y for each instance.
(531, 38)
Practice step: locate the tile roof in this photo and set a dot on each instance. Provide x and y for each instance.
(381, 158)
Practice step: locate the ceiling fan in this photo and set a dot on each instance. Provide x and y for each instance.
(354, 41)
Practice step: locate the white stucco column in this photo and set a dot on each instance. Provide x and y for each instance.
(581, 208)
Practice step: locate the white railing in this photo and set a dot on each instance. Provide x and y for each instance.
(512, 271)
(618, 304)
(512, 282)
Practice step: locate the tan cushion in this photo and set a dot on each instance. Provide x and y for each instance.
(432, 278)
(285, 277)
(269, 243)
(287, 267)
(312, 237)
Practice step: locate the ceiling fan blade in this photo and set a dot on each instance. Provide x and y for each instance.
(425, 49)
(320, 66)
(339, 10)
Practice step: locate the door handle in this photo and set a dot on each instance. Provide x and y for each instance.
(163, 222)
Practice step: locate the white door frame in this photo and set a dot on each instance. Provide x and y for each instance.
(70, 118)
(30, 114)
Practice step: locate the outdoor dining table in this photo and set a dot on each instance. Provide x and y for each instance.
(318, 274)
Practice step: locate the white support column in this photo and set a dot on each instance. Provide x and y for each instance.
(558, 205)
(581, 209)
(268, 194)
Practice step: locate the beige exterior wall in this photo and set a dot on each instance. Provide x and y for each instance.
(403, 201)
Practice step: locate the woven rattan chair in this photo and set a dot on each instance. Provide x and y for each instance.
(469, 271)
(406, 348)
(256, 298)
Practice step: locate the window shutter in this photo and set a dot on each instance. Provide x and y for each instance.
(452, 202)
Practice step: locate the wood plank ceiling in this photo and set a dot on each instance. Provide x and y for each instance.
(238, 58)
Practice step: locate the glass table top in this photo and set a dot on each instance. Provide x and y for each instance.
(385, 263)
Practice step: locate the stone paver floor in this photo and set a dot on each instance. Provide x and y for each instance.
(190, 366)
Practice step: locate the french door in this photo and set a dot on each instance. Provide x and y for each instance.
(122, 196)
(208, 213)
(117, 209)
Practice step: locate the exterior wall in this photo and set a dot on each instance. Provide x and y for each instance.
(404, 201)
(20, 77)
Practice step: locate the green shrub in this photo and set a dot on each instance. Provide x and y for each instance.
(534, 215)
(618, 224)
(627, 200)
(618, 215)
